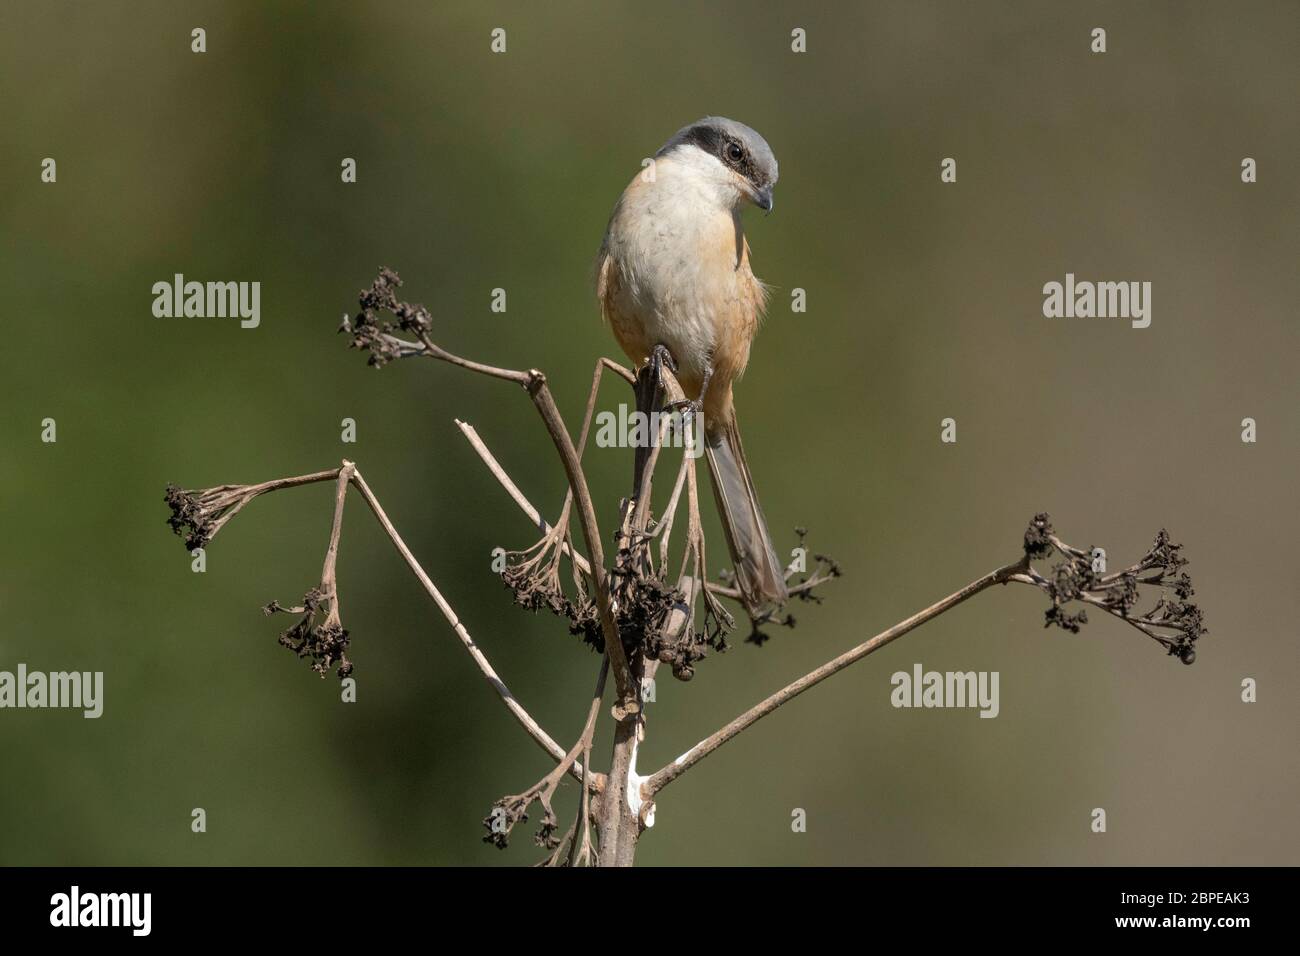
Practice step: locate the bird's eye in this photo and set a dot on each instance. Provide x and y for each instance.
(734, 152)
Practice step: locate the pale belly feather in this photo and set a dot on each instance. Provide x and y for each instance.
(673, 276)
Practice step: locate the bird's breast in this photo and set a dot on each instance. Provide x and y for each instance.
(675, 270)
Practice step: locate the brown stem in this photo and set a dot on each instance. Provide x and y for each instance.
(619, 823)
(328, 575)
(534, 382)
(627, 693)
(525, 720)
(619, 826)
(662, 533)
(281, 483)
(663, 777)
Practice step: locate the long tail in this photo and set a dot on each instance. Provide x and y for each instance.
(759, 574)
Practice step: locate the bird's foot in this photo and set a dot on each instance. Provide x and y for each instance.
(661, 358)
(687, 406)
(693, 407)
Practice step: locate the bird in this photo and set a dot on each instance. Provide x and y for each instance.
(674, 284)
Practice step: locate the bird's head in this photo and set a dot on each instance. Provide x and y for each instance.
(731, 157)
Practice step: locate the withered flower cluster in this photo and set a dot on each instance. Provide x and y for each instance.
(645, 607)
(325, 640)
(655, 617)
(197, 516)
(1174, 622)
(512, 810)
(825, 568)
(665, 618)
(533, 576)
(372, 332)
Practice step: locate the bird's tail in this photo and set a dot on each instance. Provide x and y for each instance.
(759, 574)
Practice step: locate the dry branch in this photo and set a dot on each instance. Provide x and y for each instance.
(642, 611)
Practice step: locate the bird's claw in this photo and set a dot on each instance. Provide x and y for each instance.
(687, 406)
(661, 358)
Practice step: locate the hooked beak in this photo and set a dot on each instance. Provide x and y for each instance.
(762, 198)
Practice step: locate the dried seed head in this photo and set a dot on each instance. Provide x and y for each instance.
(1038, 543)
(371, 332)
(189, 518)
(1173, 621)
(326, 642)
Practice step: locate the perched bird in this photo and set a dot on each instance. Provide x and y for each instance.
(673, 273)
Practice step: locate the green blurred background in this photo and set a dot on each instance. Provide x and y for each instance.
(479, 171)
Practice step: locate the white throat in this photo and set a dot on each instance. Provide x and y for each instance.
(691, 169)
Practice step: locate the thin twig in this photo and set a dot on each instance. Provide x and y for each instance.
(534, 383)
(544, 527)
(516, 806)
(521, 715)
(506, 482)
(328, 574)
(663, 777)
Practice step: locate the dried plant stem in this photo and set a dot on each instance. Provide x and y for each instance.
(664, 531)
(660, 617)
(663, 777)
(619, 822)
(544, 527)
(521, 715)
(534, 383)
(278, 484)
(578, 838)
(506, 482)
(329, 570)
